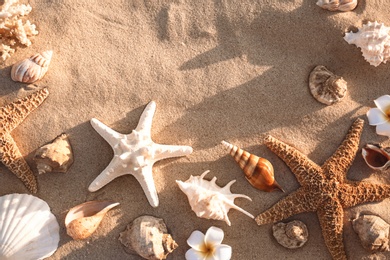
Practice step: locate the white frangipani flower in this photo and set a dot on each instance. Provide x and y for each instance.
(208, 247)
(380, 115)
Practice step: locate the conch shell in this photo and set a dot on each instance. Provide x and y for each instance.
(210, 201)
(148, 237)
(376, 157)
(374, 41)
(373, 232)
(325, 86)
(258, 171)
(291, 235)
(338, 5)
(54, 157)
(82, 220)
(31, 69)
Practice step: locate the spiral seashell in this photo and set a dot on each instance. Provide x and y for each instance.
(258, 171)
(31, 69)
(376, 157)
(82, 220)
(325, 86)
(148, 237)
(291, 235)
(338, 5)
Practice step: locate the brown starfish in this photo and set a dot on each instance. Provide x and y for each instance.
(324, 189)
(11, 116)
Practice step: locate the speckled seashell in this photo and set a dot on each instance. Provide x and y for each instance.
(54, 157)
(338, 5)
(258, 171)
(210, 201)
(148, 237)
(291, 235)
(373, 232)
(31, 69)
(374, 41)
(376, 157)
(82, 220)
(325, 86)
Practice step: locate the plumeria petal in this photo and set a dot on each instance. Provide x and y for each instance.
(383, 129)
(214, 236)
(223, 252)
(196, 240)
(383, 103)
(376, 116)
(192, 254)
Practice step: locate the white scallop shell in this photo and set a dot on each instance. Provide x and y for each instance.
(28, 230)
(31, 69)
(338, 5)
(210, 201)
(374, 41)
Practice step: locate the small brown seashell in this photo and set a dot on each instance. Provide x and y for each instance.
(325, 86)
(31, 69)
(148, 237)
(54, 157)
(82, 220)
(338, 5)
(291, 235)
(376, 157)
(373, 232)
(258, 171)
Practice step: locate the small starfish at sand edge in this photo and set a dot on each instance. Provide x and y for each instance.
(11, 116)
(135, 154)
(324, 189)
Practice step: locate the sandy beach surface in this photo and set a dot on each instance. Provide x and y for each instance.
(218, 70)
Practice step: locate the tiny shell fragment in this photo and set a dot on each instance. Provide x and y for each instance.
(148, 237)
(325, 86)
(373, 232)
(291, 235)
(338, 5)
(54, 157)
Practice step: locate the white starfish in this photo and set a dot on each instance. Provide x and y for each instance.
(135, 154)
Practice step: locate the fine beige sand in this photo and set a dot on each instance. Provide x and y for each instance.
(218, 70)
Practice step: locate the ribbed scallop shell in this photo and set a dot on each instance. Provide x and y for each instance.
(374, 41)
(338, 5)
(31, 69)
(82, 220)
(210, 201)
(28, 230)
(258, 171)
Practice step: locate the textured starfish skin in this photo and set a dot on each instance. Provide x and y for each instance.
(135, 154)
(11, 116)
(324, 189)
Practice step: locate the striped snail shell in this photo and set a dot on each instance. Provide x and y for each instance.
(31, 69)
(258, 171)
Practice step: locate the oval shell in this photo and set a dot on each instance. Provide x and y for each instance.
(258, 171)
(82, 220)
(291, 235)
(373, 232)
(28, 230)
(54, 157)
(148, 237)
(338, 5)
(376, 157)
(210, 201)
(325, 86)
(31, 69)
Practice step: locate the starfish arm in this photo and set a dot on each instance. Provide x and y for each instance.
(338, 164)
(145, 121)
(107, 133)
(111, 172)
(305, 170)
(295, 203)
(145, 178)
(168, 151)
(11, 157)
(355, 193)
(14, 113)
(330, 215)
